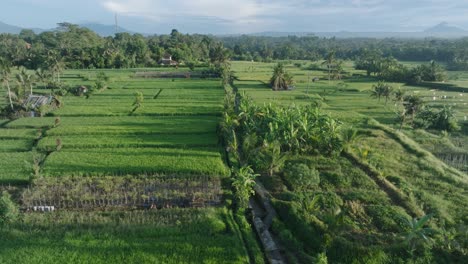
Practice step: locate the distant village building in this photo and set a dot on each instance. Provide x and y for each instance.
(167, 60)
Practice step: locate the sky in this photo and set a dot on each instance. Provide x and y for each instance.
(240, 16)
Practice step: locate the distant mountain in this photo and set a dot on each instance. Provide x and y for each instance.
(445, 28)
(105, 30)
(5, 28)
(442, 30)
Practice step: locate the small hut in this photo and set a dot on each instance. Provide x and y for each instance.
(35, 102)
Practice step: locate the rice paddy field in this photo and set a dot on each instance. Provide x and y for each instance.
(151, 185)
(170, 143)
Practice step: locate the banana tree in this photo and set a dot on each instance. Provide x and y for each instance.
(416, 233)
(244, 183)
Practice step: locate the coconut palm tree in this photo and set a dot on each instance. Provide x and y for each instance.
(382, 89)
(55, 64)
(25, 79)
(330, 61)
(5, 71)
(399, 95)
(280, 79)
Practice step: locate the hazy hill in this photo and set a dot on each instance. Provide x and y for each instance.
(445, 28)
(103, 30)
(5, 28)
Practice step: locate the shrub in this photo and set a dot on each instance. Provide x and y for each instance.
(301, 177)
(335, 179)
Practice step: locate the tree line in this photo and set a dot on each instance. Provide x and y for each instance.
(75, 47)
(454, 52)
(71, 46)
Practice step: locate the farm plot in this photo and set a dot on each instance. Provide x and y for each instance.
(117, 193)
(166, 236)
(173, 132)
(49, 143)
(124, 161)
(160, 98)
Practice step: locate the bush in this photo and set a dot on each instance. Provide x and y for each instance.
(335, 179)
(441, 120)
(300, 177)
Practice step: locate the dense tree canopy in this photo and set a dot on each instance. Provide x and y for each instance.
(71, 46)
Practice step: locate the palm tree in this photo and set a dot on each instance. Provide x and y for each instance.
(382, 89)
(6, 78)
(387, 92)
(280, 79)
(399, 95)
(56, 65)
(412, 104)
(337, 70)
(25, 79)
(330, 61)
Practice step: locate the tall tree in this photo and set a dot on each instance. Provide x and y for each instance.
(329, 62)
(5, 71)
(25, 79)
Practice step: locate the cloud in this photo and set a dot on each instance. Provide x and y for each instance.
(232, 10)
(292, 15)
